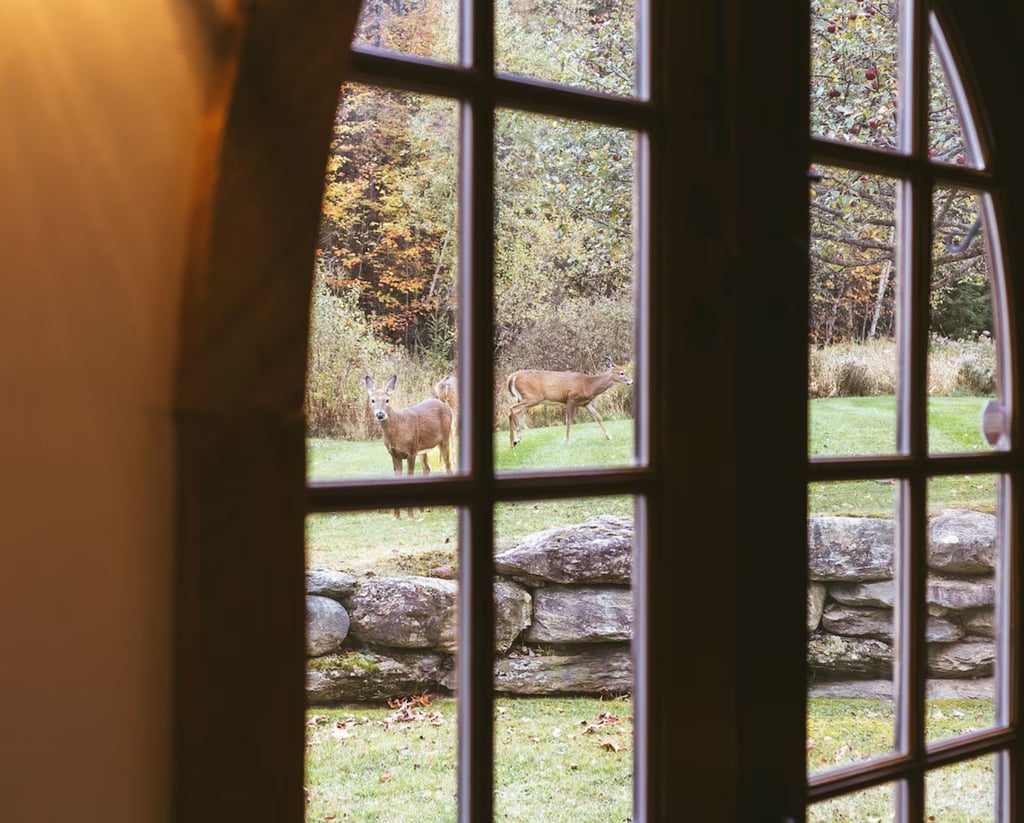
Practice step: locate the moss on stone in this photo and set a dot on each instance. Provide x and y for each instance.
(347, 662)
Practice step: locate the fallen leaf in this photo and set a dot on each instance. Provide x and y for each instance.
(384, 778)
(608, 745)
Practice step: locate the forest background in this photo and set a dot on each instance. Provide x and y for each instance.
(385, 296)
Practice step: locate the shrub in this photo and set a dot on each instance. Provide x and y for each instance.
(853, 370)
(954, 367)
(342, 351)
(976, 374)
(577, 336)
(853, 377)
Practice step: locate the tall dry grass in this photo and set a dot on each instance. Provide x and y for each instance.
(955, 367)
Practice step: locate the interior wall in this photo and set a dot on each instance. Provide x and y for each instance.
(101, 105)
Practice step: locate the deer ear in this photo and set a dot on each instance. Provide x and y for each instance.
(369, 382)
(391, 383)
(608, 361)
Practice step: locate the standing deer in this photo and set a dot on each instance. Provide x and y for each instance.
(573, 389)
(412, 430)
(447, 391)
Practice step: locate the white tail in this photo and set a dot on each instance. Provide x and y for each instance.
(413, 430)
(573, 389)
(447, 391)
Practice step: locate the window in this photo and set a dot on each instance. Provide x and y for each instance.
(903, 229)
(427, 147)
(722, 468)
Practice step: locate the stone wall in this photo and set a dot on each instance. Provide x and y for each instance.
(564, 615)
(852, 593)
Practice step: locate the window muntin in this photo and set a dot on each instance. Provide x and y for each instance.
(927, 484)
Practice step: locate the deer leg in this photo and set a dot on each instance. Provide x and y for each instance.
(411, 463)
(570, 412)
(426, 470)
(600, 422)
(445, 448)
(396, 462)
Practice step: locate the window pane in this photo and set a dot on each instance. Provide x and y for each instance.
(946, 139)
(963, 371)
(564, 294)
(381, 644)
(587, 43)
(850, 608)
(964, 624)
(564, 717)
(962, 793)
(853, 355)
(384, 290)
(877, 805)
(421, 28)
(853, 72)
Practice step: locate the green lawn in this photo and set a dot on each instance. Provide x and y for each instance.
(844, 426)
(866, 426)
(373, 541)
(570, 759)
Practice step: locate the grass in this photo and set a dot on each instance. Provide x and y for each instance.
(845, 426)
(570, 759)
(867, 426)
(845, 732)
(375, 542)
(555, 760)
(372, 764)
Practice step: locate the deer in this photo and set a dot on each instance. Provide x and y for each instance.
(530, 387)
(447, 391)
(411, 431)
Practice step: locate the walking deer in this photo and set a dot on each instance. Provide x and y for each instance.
(530, 387)
(413, 430)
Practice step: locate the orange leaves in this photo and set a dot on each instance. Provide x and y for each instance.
(604, 720)
(407, 711)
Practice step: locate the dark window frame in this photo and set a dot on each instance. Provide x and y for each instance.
(725, 509)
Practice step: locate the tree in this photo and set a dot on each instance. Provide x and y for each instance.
(854, 98)
(389, 208)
